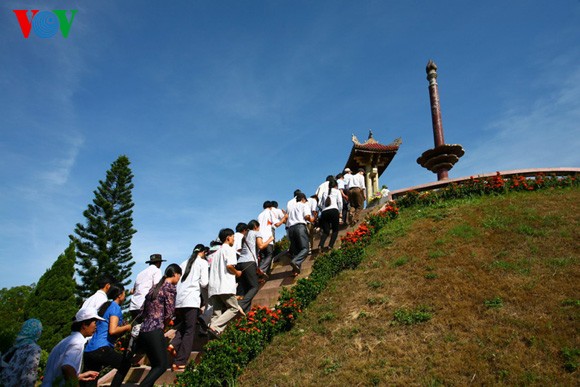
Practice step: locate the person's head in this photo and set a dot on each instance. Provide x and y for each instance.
(315, 197)
(198, 251)
(347, 171)
(300, 197)
(85, 321)
(361, 171)
(29, 333)
(274, 204)
(296, 192)
(104, 282)
(173, 273)
(339, 176)
(226, 236)
(330, 178)
(241, 228)
(155, 259)
(253, 225)
(267, 204)
(332, 184)
(117, 293)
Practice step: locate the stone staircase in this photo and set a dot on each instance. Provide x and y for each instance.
(268, 294)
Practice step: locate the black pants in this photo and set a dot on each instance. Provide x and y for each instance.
(183, 340)
(248, 284)
(154, 345)
(329, 219)
(266, 259)
(106, 356)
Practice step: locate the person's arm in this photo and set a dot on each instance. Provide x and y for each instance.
(72, 379)
(232, 269)
(261, 244)
(115, 329)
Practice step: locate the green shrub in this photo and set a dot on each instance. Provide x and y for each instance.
(412, 316)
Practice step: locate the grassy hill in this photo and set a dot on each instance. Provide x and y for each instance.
(483, 291)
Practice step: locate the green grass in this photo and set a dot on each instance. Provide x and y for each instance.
(499, 276)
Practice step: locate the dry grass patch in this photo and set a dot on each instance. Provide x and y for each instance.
(504, 304)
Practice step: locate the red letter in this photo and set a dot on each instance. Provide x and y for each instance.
(25, 24)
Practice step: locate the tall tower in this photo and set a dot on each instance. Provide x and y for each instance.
(443, 157)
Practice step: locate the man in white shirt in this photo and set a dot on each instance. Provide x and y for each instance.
(64, 364)
(298, 214)
(100, 296)
(144, 282)
(341, 185)
(266, 220)
(222, 283)
(347, 177)
(356, 196)
(241, 231)
(279, 217)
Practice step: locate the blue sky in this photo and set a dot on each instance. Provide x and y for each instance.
(221, 105)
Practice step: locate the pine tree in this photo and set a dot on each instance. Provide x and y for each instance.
(53, 301)
(104, 245)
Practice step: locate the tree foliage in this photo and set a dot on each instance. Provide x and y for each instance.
(53, 301)
(103, 245)
(12, 313)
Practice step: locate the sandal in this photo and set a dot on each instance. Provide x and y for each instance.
(171, 350)
(176, 367)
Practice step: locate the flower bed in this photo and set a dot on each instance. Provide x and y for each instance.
(486, 186)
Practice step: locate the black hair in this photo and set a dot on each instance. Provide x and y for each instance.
(225, 233)
(215, 243)
(197, 249)
(105, 279)
(339, 176)
(330, 178)
(252, 224)
(300, 196)
(314, 197)
(267, 204)
(170, 271)
(274, 203)
(240, 227)
(115, 291)
(297, 191)
(331, 184)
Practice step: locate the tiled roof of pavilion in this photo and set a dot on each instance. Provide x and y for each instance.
(373, 153)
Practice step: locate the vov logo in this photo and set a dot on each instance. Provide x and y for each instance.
(45, 24)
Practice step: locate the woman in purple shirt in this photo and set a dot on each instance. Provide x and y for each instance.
(158, 310)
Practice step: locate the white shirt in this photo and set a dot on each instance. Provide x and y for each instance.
(143, 283)
(189, 291)
(357, 180)
(297, 211)
(96, 300)
(68, 352)
(266, 223)
(277, 215)
(238, 237)
(321, 189)
(347, 179)
(221, 281)
(313, 206)
(340, 183)
(335, 200)
(249, 251)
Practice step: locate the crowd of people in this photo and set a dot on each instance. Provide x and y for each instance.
(214, 285)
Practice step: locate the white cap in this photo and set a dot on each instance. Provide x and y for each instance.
(347, 170)
(88, 313)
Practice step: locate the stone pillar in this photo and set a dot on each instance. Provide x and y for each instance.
(436, 112)
(368, 182)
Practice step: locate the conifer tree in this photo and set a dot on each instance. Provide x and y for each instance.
(53, 301)
(103, 245)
